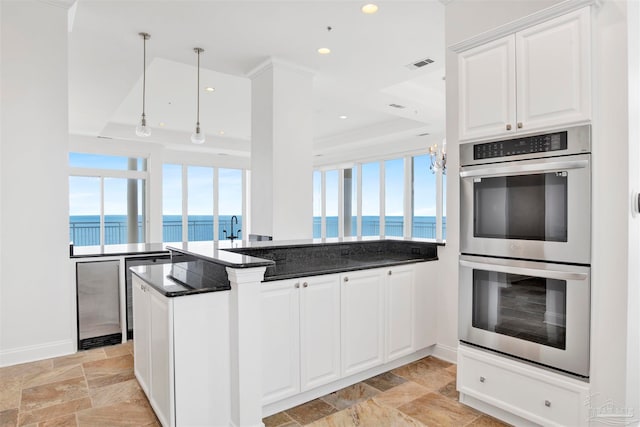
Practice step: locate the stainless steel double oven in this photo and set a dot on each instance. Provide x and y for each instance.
(525, 243)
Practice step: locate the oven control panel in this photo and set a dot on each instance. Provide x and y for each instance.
(525, 145)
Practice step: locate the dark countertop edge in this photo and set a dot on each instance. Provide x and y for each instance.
(247, 262)
(319, 242)
(345, 269)
(177, 293)
(137, 253)
(104, 250)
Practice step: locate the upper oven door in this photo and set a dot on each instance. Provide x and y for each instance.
(533, 209)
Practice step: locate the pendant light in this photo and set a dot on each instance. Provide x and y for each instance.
(142, 129)
(198, 137)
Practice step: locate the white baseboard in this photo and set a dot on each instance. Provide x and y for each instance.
(444, 352)
(33, 353)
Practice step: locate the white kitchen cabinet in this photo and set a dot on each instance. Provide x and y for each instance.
(280, 340)
(400, 323)
(537, 78)
(487, 89)
(534, 394)
(319, 330)
(181, 355)
(362, 320)
(300, 335)
(161, 367)
(142, 343)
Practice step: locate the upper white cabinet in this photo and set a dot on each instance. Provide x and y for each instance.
(537, 78)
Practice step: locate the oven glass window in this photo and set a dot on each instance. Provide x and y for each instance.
(525, 307)
(527, 207)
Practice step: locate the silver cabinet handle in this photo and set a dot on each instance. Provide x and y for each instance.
(482, 379)
(547, 274)
(547, 403)
(519, 125)
(305, 285)
(346, 279)
(508, 127)
(297, 285)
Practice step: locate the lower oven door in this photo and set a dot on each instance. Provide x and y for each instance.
(536, 311)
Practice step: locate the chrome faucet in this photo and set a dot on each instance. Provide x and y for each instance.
(231, 236)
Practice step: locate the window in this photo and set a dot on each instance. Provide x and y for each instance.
(230, 202)
(200, 202)
(424, 199)
(317, 204)
(332, 200)
(107, 199)
(407, 187)
(394, 197)
(172, 203)
(371, 199)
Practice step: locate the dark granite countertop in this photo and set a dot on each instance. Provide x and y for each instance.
(157, 276)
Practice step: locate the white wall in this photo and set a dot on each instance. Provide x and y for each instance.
(36, 296)
(613, 350)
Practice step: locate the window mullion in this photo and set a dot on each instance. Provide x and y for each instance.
(383, 198)
(102, 221)
(439, 206)
(359, 201)
(185, 205)
(216, 204)
(323, 203)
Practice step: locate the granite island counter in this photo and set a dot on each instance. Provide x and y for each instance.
(277, 323)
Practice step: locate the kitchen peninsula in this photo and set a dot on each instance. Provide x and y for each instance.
(231, 332)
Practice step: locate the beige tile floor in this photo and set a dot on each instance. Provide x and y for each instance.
(98, 388)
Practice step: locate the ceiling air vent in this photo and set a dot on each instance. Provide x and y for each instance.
(419, 64)
(397, 106)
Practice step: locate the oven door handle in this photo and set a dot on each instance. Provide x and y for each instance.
(547, 274)
(529, 168)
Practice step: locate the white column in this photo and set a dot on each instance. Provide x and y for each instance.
(281, 159)
(37, 301)
(245, 316)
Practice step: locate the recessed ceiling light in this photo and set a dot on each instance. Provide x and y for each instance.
(369, 9)
(343, 117)
(324, 51)
(161, 124)
(209, 89)
(221, 132)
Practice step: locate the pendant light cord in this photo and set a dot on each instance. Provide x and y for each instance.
(144, 70)
(198, 89)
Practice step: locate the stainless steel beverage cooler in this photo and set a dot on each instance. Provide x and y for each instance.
(98, 304)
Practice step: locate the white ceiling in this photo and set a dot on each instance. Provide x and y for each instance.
(365, 72)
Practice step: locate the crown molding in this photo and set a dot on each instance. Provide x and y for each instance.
(554, 11)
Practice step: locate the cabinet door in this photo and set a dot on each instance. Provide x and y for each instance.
(161, 371)
(280, 340)
(486, 89)
(142, 332)
(400, 316)
(319, 330)
(362, 319)
(553, 72)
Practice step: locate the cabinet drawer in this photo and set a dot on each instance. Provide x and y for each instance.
(528, 392)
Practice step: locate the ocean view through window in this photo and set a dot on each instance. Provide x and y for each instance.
(398, 193)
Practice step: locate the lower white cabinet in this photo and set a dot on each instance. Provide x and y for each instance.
(319, 329)
(362, 319)
(300, 335)
(181, 355)
(400, 318)
(537, 395)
